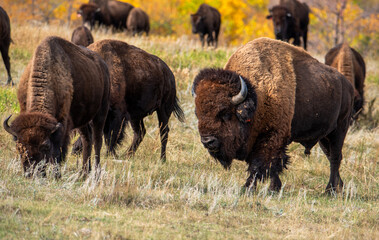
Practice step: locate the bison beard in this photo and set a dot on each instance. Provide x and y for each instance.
(235, 120)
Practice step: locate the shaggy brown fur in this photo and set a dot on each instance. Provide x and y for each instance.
(82, 36)
(206, 21)
(297, 99)
(63, 87)
(138, 22)
(5, 41)
(141, 84)
(110, 13)
(351, 64)
(290, 19)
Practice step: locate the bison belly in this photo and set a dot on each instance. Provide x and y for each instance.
(320, 105)
(89, 94)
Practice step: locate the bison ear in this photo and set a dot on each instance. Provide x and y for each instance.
(245, 111)
(268, 16)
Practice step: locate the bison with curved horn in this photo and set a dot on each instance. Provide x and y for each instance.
(141, 84)
(63, 87)
(268, 95)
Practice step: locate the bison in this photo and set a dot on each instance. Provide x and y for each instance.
(5, 41)
(268, 95)
(290, 19)
(351, 64)
(206, 21)
(63, 87)
(108, 13)
(141, 84)
(82, 36)
(138, 22)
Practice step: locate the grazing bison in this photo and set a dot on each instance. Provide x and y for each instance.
(141, 84)
(108, 13)
(290, 19)
(268, 95)
(5, 41)
(63, 87)
(351, 64)
(82, 36)
(206, 21)
(138, 22)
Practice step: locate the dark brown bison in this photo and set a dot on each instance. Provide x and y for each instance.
(206, 21)
(268, 95)
(141, 84)
(290, 19)
(82, 36)
(351, 64)
(108, 13)
(5, 41)
(63, 87)
(138, 22)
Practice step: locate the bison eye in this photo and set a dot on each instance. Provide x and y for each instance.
(225, 116)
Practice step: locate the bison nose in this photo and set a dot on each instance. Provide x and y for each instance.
(210, 142)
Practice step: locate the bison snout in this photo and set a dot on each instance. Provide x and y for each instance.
(210, 142)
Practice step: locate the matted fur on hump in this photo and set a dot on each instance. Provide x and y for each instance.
(50, 80)
(268, 64)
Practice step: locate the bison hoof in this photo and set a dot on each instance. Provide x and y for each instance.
(333, 191)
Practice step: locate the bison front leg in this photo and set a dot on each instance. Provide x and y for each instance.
(305, 38)
(296, 40)
(202, 39)
(210, 39)
(267, 160)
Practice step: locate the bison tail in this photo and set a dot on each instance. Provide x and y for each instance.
(178, 112)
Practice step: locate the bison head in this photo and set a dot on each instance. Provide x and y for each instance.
(197, 22)
(37, 136)
(225, 105)
(89, 13)
(282, 20)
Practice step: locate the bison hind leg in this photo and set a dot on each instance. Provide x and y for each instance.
(332, 151)
(139, 133)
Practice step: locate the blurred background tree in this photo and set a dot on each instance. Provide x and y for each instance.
(331, 22)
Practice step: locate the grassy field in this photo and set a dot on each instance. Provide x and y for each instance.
(190, 196)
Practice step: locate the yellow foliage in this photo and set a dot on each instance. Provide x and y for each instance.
(242, 20)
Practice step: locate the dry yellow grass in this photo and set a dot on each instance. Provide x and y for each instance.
(190, 196)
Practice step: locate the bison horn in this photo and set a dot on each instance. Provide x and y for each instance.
(58, 126)
(241, 96)
(7, 127)
(193, 92)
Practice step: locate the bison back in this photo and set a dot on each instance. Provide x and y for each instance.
(73, 81)
(139, 80)
(82, 36)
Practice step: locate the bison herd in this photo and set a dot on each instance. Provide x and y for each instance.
(269, 94)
